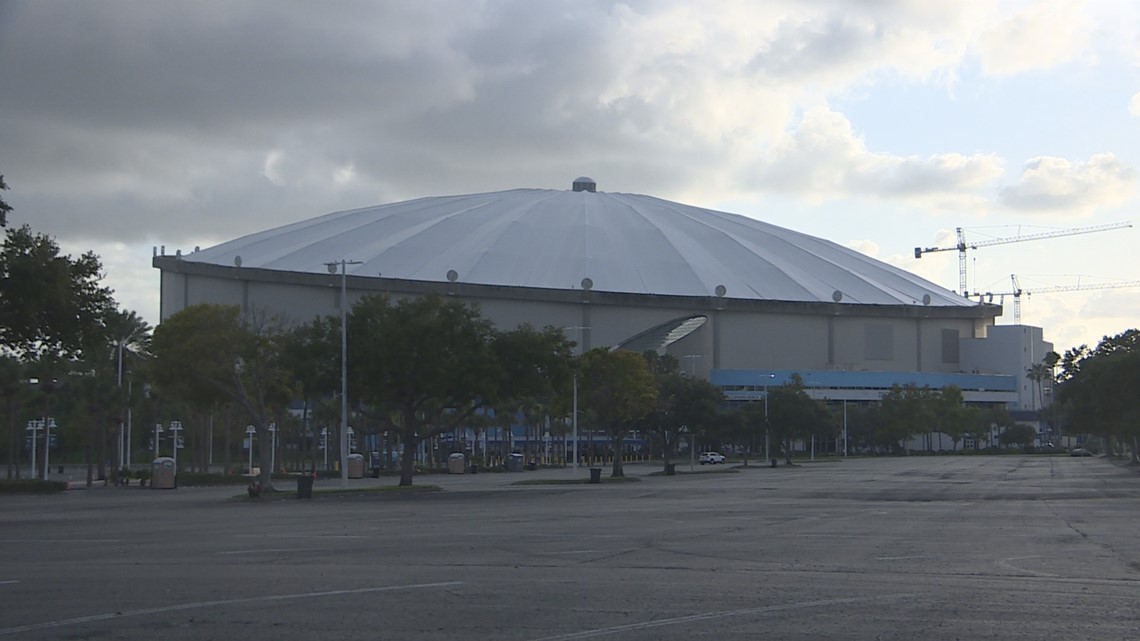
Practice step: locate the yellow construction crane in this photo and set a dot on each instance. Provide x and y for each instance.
(962, 245)
(1018, 291)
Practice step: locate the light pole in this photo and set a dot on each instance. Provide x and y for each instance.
(845, 428)
(767, 452)
(580, 328)
(249, 432)
(343, 363)
(272, 447)
(174, 429)
(157, 431)
(692, 363)
(34, 427)
(325, 445)
(575, 421)
(49, 423)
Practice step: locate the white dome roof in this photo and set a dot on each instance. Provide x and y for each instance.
(545, 238)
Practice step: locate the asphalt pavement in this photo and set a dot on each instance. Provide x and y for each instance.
(951, 547)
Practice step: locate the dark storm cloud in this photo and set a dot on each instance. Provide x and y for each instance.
(121, 119)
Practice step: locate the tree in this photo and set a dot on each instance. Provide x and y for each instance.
(1038, 373)
(1098, 389)
(129, 336)
(49, 303)
(428, 360)
(535, 374)
(1019, 434)
(13, 387)
(211, 352)
(311, 353)
(951, 416)
(4, 207)
(903, 411)
(987, 419)
(683, 404)
(617, 389)
(793, 415)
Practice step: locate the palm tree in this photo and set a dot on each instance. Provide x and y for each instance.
(129, 335)
(1037, 373)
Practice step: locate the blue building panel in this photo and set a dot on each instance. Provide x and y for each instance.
(730, 379)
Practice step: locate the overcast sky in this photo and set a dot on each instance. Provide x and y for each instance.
(878, 124)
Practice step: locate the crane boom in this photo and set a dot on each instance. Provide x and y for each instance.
(1018, 291)
(962, 245)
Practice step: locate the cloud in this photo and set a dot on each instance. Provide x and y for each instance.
(824, 157)
(1050, 184)
(865, 246)
(1134, 105)
(230, 117)
(1041, 36)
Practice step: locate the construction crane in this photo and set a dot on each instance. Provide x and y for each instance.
(1018, 291)
(962, 245)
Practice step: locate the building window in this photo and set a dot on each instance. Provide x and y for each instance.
(950, 346)
(878, 342)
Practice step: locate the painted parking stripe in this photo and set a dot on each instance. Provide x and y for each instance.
(211, 604)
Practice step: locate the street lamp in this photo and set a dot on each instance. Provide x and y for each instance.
(692, 363)
(325, 445)
(575, 428)
(249, 432)
(157, 431)
(34, 427)
(48, 386)
(272, 447)
(49, 423)
(343, 363)
(767, 452)
(175, 428)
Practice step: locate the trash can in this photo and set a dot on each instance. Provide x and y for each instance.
(355, 466)
(595, 475)
(515, 462)
(305, 486)
(474, 468)
(670, 469)
(162, 473)
(455, 463)
(773, 462)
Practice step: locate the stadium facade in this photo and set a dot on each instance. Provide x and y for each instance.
(736, 300)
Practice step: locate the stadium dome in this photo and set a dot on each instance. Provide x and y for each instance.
(570, 239)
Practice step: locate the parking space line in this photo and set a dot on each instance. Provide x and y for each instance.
(210, 604)
(708, 616)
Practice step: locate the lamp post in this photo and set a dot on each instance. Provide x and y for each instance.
(49, 423)
(767, 452)
(249, 432)
(845, 428)
(175, 428)
(343, 363)
(272, 447)
(34, 427)
(157, 431)
(580, 328)
(692, 358)
(575, 421)
(47, 386)
(325, 445)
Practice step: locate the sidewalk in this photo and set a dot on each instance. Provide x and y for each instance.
(483, 480)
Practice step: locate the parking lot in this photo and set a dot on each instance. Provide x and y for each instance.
(956, 547)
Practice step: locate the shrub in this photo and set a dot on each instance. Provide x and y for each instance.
(31, 486)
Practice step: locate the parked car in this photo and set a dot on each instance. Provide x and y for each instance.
(1079, 451)
(712, 458)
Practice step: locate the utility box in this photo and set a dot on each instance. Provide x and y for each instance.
(355, 466)
(455, 463)
(162, 473)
